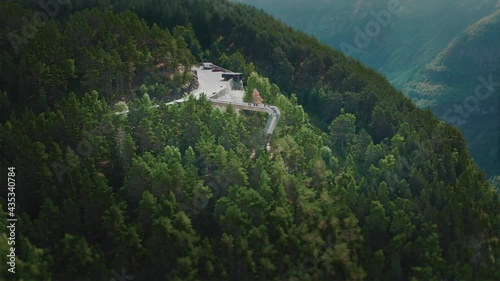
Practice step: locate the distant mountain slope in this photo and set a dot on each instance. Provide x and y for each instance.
(410, 39)
(462, 85)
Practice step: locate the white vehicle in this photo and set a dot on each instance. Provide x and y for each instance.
(208, 65)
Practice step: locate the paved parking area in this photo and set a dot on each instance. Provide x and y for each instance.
(209, 81)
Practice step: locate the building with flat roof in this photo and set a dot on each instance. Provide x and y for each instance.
(234, 75)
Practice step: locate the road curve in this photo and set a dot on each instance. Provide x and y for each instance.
(274, 112)
(211, 83)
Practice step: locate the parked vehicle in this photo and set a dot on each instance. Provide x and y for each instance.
(215, 69)
(208, 65)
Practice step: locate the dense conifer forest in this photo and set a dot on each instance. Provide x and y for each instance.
(358, 183)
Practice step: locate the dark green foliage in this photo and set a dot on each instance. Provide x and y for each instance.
(189, 192)
(92, 50)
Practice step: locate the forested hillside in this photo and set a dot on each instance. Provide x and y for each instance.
(358, 183)
(41, 65)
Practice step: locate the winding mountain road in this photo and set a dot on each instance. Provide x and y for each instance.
(211, 83)
(274, 112)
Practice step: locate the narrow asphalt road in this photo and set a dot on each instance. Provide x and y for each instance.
(211, 82)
